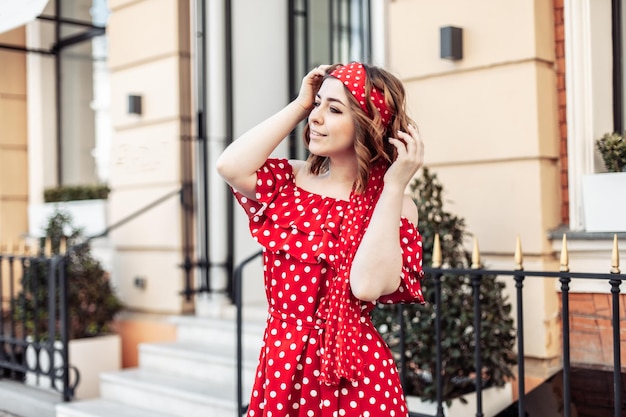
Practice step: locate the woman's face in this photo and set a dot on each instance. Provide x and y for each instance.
(331, 122)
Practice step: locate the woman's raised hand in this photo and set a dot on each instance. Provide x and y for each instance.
(410, 157)
(310, 85)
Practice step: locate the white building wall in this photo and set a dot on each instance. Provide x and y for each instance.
(260, 63)
(145, 157)
(145, 161)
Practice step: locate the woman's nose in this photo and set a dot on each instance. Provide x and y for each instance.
(315, 116)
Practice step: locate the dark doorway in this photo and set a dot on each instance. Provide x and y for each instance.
(591, 390)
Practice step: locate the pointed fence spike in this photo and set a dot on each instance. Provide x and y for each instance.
(63, 246)
(564, 255)
(436, 259)
(519, 258)
(476, 255)
(615, 257)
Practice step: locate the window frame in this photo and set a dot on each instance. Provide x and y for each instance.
(356, 33)
(591, 103)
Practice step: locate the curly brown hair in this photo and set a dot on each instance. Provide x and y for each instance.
(370, 141)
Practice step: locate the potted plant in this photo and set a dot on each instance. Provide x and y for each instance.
(604, 199)
(457, 317)
(91, 301)
(612, 148)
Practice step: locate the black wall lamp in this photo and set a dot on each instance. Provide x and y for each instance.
(451, 43)
(134, 104)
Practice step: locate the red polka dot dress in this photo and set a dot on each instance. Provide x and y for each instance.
(303, 238)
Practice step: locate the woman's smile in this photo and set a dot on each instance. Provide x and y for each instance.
(314, 134)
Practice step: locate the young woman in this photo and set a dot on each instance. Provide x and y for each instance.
(339, 235)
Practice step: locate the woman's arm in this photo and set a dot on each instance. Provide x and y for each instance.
(377, 264)
(240, 161)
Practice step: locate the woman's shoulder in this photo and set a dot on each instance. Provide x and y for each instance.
(409, 209)
(296, 165)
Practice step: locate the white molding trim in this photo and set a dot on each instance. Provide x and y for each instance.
(578, 84)
(379, 11)
(216, 131)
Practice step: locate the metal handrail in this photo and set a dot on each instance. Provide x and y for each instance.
(237, 275)
(134, 214)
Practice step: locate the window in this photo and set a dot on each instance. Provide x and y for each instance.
(79, 91)
(325, 31)
(590, 93)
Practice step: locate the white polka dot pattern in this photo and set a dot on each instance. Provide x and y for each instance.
(301, 234)
(353, 76)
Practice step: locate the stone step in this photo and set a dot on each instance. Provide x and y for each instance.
(169, 394)
(219, 331)
(199, 361)
(103, 408)
(22, 400)
(251, 313)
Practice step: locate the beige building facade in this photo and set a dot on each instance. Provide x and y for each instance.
(13, 140)
(490, 125)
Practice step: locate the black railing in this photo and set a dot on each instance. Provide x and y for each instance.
(237, 278)
(34, 349)
(34, 322)
(613, 279)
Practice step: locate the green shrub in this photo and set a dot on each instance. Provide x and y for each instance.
(76, 192)
(457, 311)
(92, 304)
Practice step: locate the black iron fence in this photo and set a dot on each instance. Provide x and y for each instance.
(613, 281)
(34, 322)
(34, 313)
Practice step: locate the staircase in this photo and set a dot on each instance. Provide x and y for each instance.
(194, 376)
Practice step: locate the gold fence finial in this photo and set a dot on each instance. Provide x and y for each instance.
(63, 246)
(47, 248)
(475, 256)
(519, 258)
(615, 257)
(436, 259)
(564, 255)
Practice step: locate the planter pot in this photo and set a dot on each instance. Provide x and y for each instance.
(604, 202)
(87, 214)
(494, 401)
(91, 356)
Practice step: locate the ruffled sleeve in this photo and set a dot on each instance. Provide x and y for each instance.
(410, 289)
(285, 218)
(271, 178)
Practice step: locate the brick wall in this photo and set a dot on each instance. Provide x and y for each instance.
(559, 37)
(591, 331)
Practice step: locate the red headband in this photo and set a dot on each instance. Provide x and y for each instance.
(353, 77)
